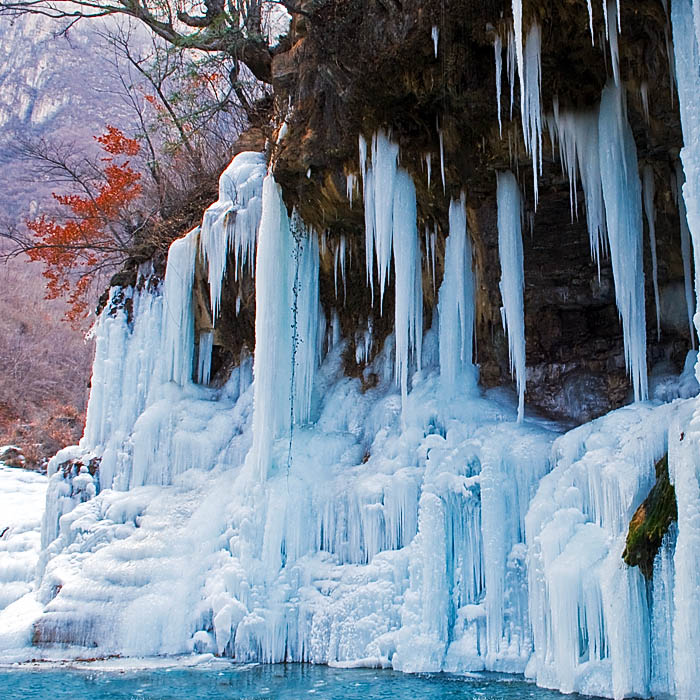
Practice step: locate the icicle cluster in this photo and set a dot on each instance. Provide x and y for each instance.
(231, 223)
(391, 231)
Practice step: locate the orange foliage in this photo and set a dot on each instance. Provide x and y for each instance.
(74, 247)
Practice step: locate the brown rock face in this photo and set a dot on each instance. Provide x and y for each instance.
(355, 67)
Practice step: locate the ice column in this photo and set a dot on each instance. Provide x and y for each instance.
(408, 305)
(273, 329)
(623, 209)
(178, 315)
(510, 250)
(456, 299)
(308, 317)
(206, 344)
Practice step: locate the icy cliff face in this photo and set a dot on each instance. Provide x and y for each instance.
(403, 517)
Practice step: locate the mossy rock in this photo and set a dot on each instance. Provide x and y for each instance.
(651, 522)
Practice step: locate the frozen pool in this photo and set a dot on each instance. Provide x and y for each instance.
(107, 681)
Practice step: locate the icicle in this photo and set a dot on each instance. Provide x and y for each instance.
(408, 305)
(623, 209)
(577, 134)
(529, 64)
(429, 166)
(206, 344)
(456, 300)
(612, 33)
(687, 58)
(433, 247)
(339, 266)
(530, 102)
(231, 223)
(510, 250)
(498, 52)
(178, 314)
(511, 61)
(378, 195)
(517, 6)
(436, 35)
(685, 251)
(442, 157)
(649, 190)
(350, 186)
(273, 330)
(644, 97)
(590, 20)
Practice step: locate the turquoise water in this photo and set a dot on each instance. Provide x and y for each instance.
(230, 682)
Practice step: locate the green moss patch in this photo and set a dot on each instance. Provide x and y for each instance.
(651, 522)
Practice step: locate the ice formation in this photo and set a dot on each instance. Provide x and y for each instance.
(414, 521)
(685, 251)
(510, 251)
(456, 301)
(391, 232)
(623, 211)
(649, 190)
(231, 223)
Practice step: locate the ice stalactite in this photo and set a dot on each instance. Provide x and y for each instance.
(511, 63)
(351, 184)
(528, 60)
(623, 210)
(339, 256)
(178, 312)
(577, 135)
(685, 252)
(391, 226)
(612, 29)
(498, 55)
(378, 193)
(441, 140)
(456, 300)
(510, 251)
(644, 98)
(408, 304)
(429, 166)
(273, 329)
(649, 191)
(231, 223)
(590, 20)
(204, 350)
(436, 36)
(685, 41)
(530, 103)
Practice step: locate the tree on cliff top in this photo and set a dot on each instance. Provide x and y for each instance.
(231, 27)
